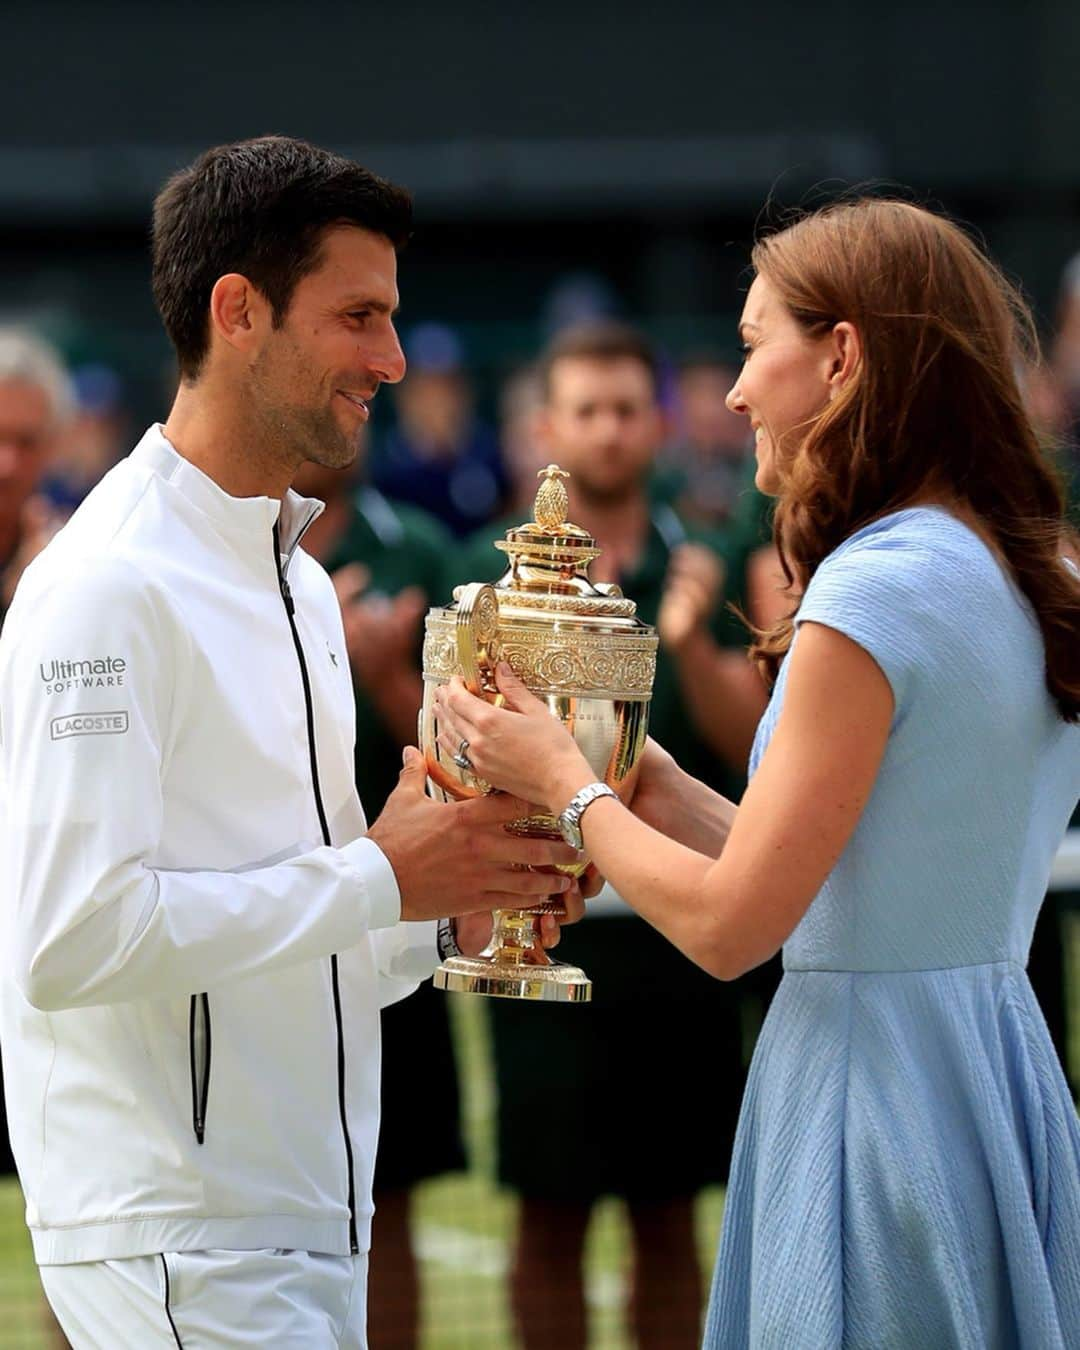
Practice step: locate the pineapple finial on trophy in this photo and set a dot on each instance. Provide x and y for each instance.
(552, 502)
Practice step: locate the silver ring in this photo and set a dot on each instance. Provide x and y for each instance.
(460, 758)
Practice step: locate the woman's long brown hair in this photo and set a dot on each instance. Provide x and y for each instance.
(933, 412)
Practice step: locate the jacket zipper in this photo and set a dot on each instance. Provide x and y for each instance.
(290, 610)
(199, 1050)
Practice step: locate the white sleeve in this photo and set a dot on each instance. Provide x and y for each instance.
(90, 921)
(406, 953)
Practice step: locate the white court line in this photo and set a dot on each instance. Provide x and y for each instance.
(468, 1253)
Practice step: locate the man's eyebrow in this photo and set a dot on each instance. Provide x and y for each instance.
(377, 306)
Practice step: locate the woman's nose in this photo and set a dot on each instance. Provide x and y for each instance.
(734, 400)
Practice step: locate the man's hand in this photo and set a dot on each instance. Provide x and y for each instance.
(473, 931)
(38, 522)
(692, 588)
(381, 632)
(458, 858)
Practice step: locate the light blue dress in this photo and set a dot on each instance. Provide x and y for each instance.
(907, 1168)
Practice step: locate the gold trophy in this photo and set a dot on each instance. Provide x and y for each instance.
(581, 649)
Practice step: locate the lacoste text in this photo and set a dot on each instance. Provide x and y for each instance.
(88, 724)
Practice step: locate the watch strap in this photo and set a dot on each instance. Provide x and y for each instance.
(446, 939)
(582, 799)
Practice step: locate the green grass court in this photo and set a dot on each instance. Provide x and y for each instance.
(464, 1227)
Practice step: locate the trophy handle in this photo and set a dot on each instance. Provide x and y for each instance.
(476, 632)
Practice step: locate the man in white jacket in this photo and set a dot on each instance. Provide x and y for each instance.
(200, 927)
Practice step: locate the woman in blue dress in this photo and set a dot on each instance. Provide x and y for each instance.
(907, 1169)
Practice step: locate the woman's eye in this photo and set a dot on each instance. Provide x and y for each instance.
(744, 350)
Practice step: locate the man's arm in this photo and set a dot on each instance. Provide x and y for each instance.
(91, 920)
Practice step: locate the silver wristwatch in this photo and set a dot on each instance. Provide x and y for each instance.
(570, 818)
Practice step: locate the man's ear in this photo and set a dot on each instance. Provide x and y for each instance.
(239, 313)
(846, 355)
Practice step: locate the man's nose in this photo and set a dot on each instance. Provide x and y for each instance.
(391, 364)
(9, 458)
(607, 426)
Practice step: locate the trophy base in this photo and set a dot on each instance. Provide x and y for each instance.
(552, 983)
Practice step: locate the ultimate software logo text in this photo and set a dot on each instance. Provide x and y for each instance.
(99, 673)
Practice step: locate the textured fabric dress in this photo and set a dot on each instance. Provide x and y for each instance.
(907, 1168)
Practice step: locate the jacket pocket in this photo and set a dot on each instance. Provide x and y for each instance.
(199, 1047)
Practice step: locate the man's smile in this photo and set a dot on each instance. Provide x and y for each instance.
(359, 403)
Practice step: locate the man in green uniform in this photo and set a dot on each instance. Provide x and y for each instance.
(632, 1110)
(387, 561)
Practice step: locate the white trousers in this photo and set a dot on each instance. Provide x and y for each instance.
(212, 1300)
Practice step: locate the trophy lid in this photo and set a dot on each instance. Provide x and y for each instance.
(550, 556)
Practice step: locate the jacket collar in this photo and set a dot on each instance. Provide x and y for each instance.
(246, 516)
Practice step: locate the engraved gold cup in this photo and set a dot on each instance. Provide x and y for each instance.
(581, 649)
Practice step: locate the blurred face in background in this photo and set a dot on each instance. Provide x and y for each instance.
(602, 422)
(316, 373)
(27, 436)
(706, 422)
(435, 410)
(784, 382)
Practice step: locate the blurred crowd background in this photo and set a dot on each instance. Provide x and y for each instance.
(587, 182)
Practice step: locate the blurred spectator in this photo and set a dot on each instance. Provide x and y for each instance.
(710, 447)
(1053, 397)
(1066, 346)
(387, 562)
(633, 1114)
(99, 434)
(36, 402)
(521, 399)
(577, 298)
(1065, 363)
(440, 456)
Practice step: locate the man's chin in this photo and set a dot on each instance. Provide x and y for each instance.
(337, 448)
(606, 492)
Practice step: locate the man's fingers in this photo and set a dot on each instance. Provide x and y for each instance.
(532, 884)
(413, 770)
(499, 808)
(547, 925)
(522, 852)
(350, 581)
(591, 882)
(573, 905)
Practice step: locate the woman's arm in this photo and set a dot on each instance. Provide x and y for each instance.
(733, 912)
(669, 800)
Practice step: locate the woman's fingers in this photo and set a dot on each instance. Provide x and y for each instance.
(518, 696)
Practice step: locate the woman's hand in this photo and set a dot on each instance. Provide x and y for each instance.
(519, 748)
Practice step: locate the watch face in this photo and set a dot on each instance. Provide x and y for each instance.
(571, 832)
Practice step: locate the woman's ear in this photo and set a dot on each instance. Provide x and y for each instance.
(846, 355)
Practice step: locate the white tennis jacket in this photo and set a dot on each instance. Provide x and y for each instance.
(197, 936)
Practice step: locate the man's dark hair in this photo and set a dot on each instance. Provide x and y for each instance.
(599, 340)
(259, 208)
